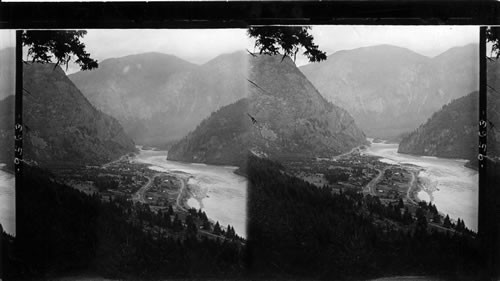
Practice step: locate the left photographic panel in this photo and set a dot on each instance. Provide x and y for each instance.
(102, 111)
(7, 107)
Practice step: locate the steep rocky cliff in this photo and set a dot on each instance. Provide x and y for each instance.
(283, 116)
(62, 127)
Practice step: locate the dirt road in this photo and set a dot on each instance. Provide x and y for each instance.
(369, 187)
(139, 195)
(179, 196)
(410, 187)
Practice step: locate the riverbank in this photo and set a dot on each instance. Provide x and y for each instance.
(7, 202)
(217, 190)
(413, 189)
(447, 183)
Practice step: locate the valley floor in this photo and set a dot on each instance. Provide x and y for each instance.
(162, 192)
(368, 174)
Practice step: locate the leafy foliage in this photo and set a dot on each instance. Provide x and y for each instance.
(61, 45)
(288, 39)
(493, 36)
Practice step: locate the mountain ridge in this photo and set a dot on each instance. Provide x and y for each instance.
(63, 127)
(161, 110)
(282, 116)
(452, 131)
(390, 90)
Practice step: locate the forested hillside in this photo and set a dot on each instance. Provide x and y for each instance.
(296, 229)
(62, 231)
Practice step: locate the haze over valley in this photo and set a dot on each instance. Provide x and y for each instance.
(159, 98)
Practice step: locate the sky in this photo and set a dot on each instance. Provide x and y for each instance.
(201, 45)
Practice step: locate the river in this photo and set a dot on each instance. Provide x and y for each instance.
(454, 188)
(226, 191)
(7, 202)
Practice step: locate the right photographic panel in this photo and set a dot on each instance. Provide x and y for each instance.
(363, 152)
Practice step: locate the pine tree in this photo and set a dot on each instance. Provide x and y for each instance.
(286, 40)
(447, 222)
(207, 226)
(421, 227)
(401, 205)
(217, 229)
(177, 224)
(407, 218)
(436, 218)
(167, 221)
(192, 229)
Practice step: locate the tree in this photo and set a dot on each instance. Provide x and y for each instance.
(217, 229)
(460, 225)
(447, 222)
(407, 217)
(493, 36)
(177, 224)
(272, 40)
(42, 46)
(401, 205)
(192, 229)
(60, 45)
(436, 218)
(421, 227)
(230, 234)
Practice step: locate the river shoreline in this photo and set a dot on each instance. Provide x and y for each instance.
(215, 189)
(447, 183)
(7, 201)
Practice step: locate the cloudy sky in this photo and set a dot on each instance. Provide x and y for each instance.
(200, 45)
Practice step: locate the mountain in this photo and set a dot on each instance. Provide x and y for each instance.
(452, 131)
(7, 82)
(493, 110)
(291, 120)
(159, 98)
(7, 72)
(391, 90)
(7, 107)
(61, 126)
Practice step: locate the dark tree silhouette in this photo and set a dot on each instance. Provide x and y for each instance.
(59, 46)
(286, 40)
(493, 36)
(447, 222)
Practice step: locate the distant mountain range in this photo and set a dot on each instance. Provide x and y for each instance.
(391, 90)
(61, 126)
(159, 98)
(452, 131)
(283, 116)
